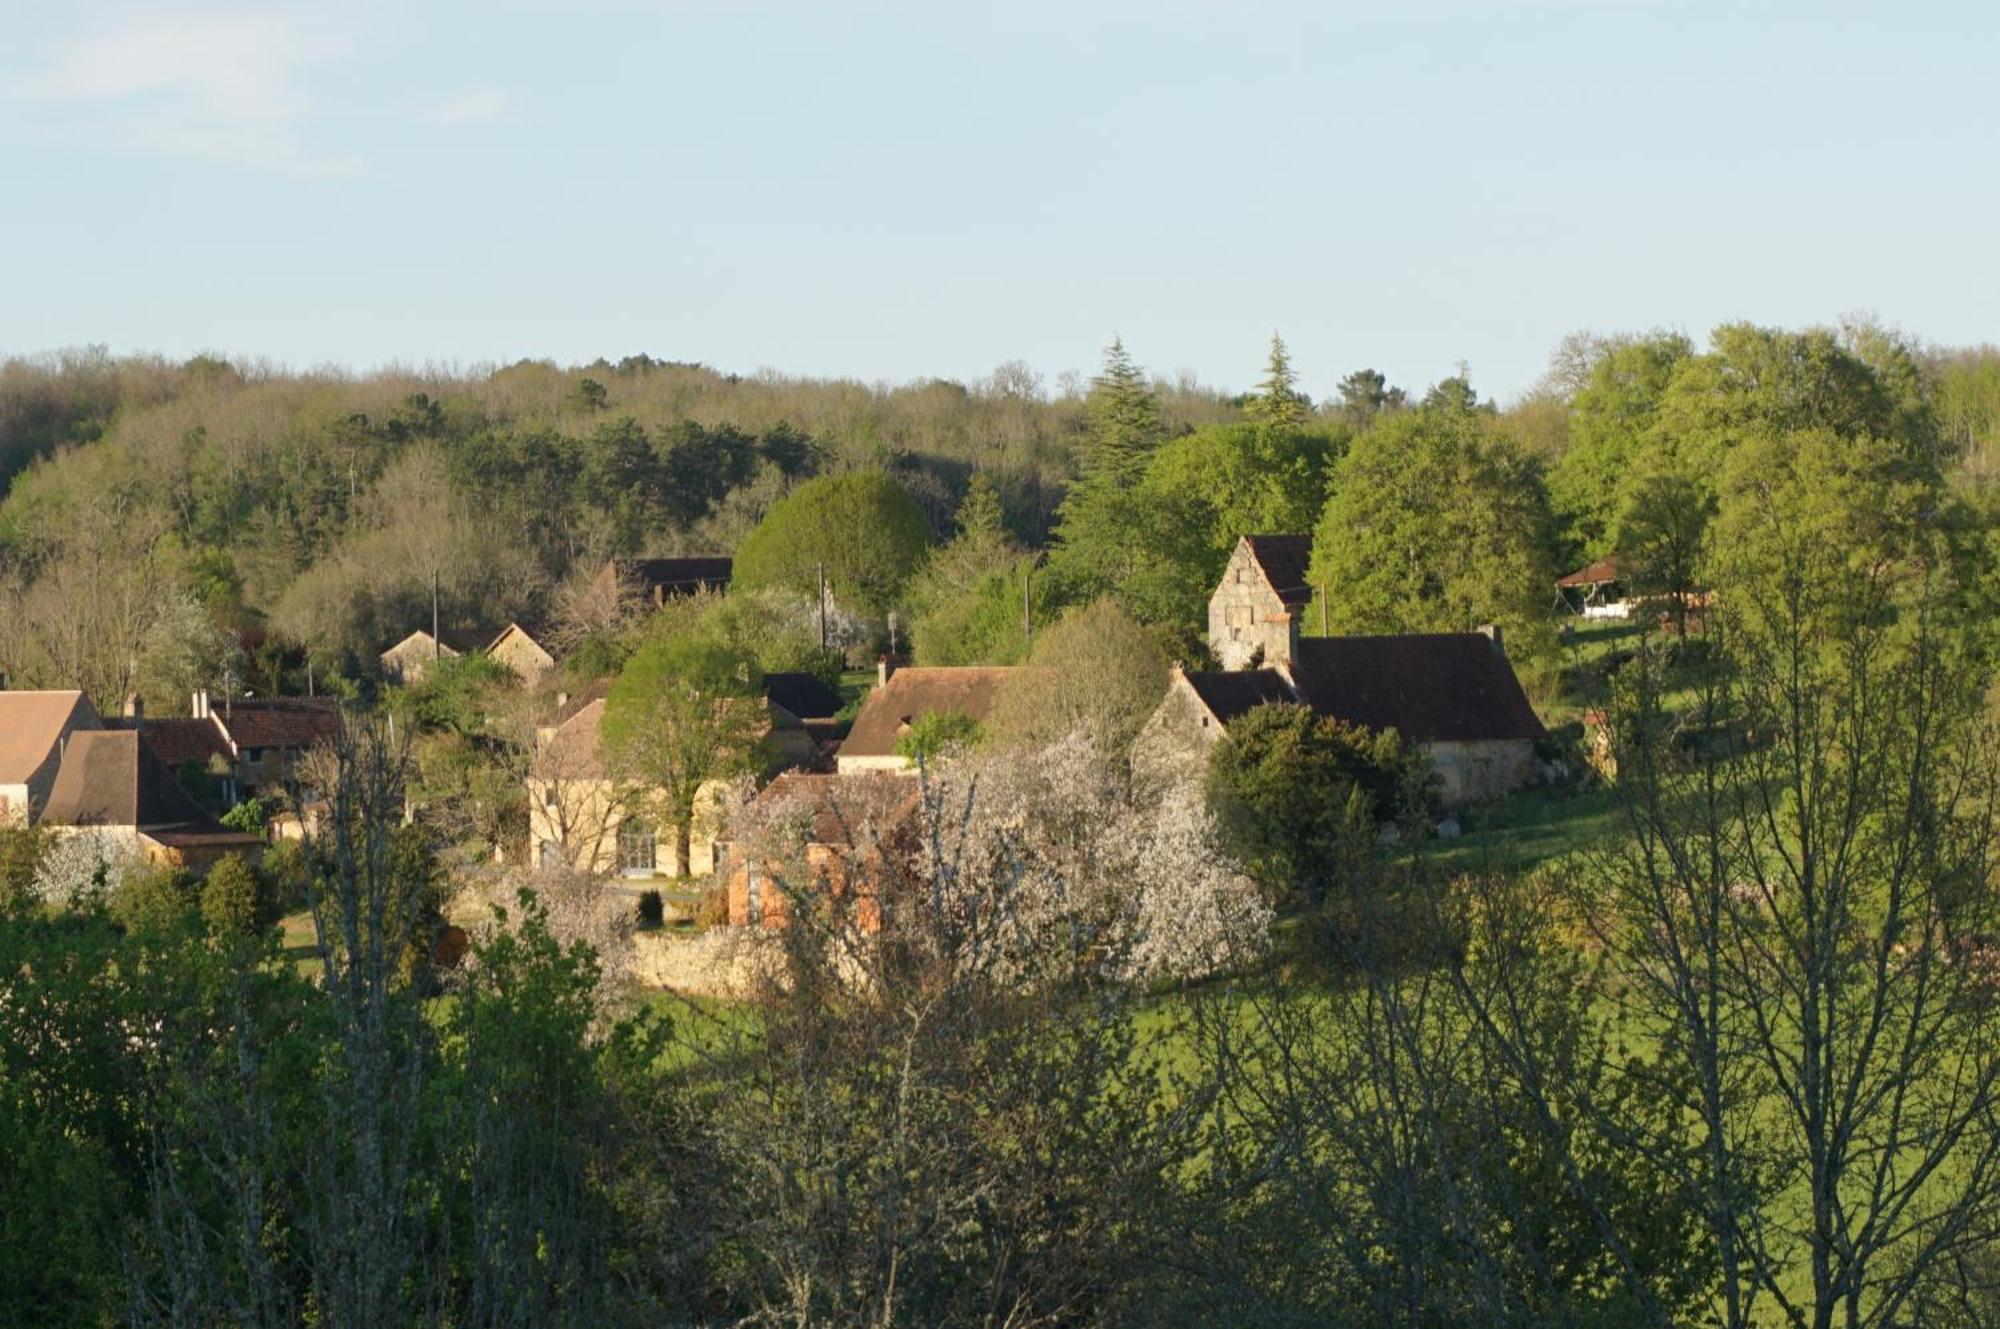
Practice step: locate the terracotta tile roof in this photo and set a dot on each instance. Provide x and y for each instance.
(847, 809)
(1429, 687)
(677, 576)
(277, 722)
(911, 694)
(1603, 570)
(177, 740)
(806, 696)
(30, 724)
(112, 777)
(1285, 560)
(1228, 693)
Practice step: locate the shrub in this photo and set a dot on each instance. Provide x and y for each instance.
(937, 732)
(230, 898)
(249, 817)
(651, 909)
(286, 872)
(714, 911)
(152, 900)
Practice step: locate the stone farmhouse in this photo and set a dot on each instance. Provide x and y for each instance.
(247, 746)
(516, 646)
(901, 698)
(404, 663)
(580, 815)
(35, 727)
(114, 785)
(1453, 694)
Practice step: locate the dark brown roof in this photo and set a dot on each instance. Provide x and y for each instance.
(1602, 571)
(1428, 687)
(278, 722)
(677, 576)
(112, 777)
(1230, 692)
(596, 690)
(806, 696)
(467, 640)
(178, 741)
(1285, 560)
(911, 694)
(847, 809)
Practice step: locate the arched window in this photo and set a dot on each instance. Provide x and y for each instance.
(636, 842)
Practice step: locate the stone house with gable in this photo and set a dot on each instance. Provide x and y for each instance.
(580, 815)
(903, 697)
(1253, 615)
(113, 785)
(1452, 694)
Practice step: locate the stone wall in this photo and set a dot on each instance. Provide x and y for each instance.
(721, 962)
(1475, 772)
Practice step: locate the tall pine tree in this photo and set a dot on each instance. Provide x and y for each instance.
(1122, 420)
(1278, 403)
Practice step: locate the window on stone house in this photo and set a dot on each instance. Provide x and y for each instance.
(637, 843)
(753, 890)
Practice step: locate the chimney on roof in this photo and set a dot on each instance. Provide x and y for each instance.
(884, 669)
(1491, 631)
(199, 709)
(135, 709)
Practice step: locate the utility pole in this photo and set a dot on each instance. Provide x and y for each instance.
(822, 608)
(437, 647)
(1028, 605)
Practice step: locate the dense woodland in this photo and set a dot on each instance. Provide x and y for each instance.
(1268, 1050)
(158, 515)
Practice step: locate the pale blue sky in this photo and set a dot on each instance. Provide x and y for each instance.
(893, 191)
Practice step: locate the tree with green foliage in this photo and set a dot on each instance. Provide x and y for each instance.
(862, 528)
(152, 900)
(1122, 422)
(1611, 423)
(1237, 480)
(1660, 537)
(969, 604)
(1277, 403)
(1097, 671)
(936, 734)
(1365, 394)
(682, 713)
(21, 849)
(250, 817)
(1436, 524)
(231, 898)
(1298, 796)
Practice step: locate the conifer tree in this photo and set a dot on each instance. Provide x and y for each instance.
(981, 518)
(1278, 401)
(1123, 419)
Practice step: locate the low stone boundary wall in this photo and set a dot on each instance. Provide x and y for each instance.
(721, 962)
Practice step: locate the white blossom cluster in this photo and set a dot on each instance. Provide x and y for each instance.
(81, 866)
(1052, 842)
